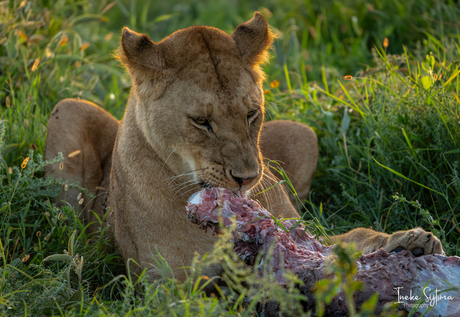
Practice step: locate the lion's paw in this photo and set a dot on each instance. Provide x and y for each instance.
(417, 240)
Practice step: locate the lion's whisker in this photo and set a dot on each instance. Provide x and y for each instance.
(185, 192)
(181, 186)
(264, 193)
(185, 185)
(176, 177)
(183, 174)
(188, 187)
(164, 164)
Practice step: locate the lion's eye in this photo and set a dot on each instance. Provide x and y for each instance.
(252, 114)
(202, 122)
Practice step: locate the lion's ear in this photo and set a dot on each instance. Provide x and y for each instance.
(139, 51)
(253, 39)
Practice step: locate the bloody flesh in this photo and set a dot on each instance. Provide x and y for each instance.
(305, 256)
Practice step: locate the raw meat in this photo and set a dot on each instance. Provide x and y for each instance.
(305, 256)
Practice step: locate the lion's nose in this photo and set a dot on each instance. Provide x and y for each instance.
(242, 181)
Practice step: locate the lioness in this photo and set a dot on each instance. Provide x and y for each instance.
(194, 119)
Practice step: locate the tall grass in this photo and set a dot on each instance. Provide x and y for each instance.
(389, 136)
(393, 129)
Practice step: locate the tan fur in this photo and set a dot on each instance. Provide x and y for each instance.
(77, 125)
(164, 148)
(368, 240)
(300, 156)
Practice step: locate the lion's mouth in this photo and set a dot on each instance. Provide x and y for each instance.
(237, 185)
(205, 185)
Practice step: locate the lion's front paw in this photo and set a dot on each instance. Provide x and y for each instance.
(417, 240)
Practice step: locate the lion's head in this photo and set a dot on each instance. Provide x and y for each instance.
(198, 99)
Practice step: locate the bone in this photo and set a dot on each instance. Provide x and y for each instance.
(393, 276)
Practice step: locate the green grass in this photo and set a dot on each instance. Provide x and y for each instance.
(389, 137)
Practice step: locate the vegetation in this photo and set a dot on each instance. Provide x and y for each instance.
(386, 113)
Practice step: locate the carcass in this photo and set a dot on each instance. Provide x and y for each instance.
(397, 277)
